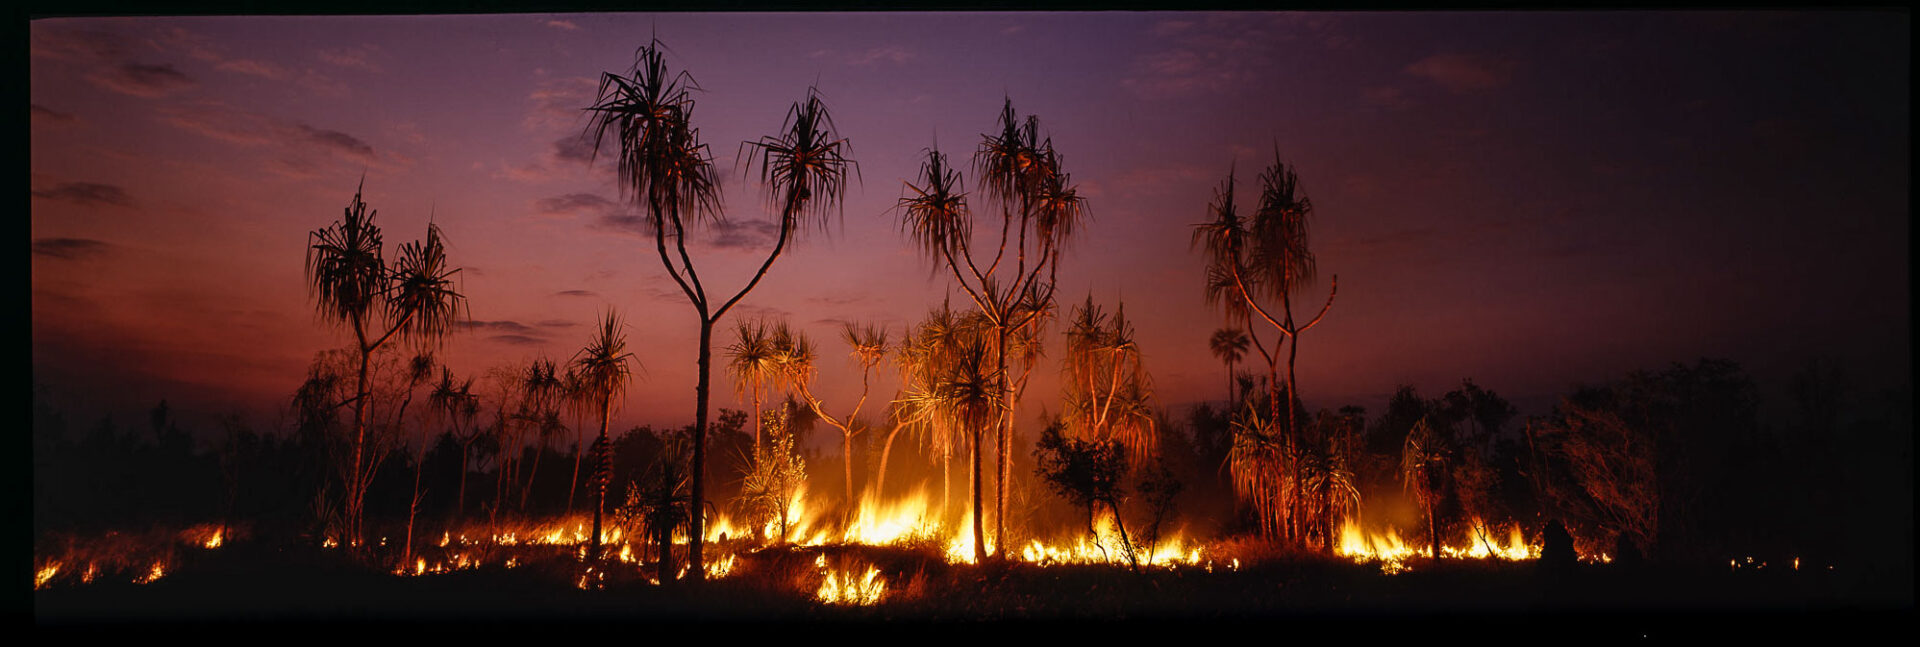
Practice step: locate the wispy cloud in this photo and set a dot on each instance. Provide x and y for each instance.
(747, 310)
(743, 234)
(557, 323)
(563, 24)
(574, 204)
(142, 80)
(255, 68)
(556, 105)
(87, 193)
(43, 116)
(1220, 52)
(357, 57)
(517, 340)
(1462, 73)
(576, 293)
(894, 54)
(337, 141)
(301, 147)
(573, 148)
(80, 45)
(69, 249)
(514, 327)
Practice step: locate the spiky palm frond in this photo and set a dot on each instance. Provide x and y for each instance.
(792, 355)
(421, 294)
(603, 364)
(805, 166)
(1014, 163)
(1281, 253)
(662, 163)
(344, 268)
(936, 214)
(969, 389)
(1260, 467)
(1423, 462)
(1108, 392)
(751, 359)
(1058, 207)
(866, 344)
(1224, 235)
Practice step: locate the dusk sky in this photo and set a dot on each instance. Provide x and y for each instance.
(1532, 200)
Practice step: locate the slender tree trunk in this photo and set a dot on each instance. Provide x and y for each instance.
(1433, 529)
(573, 483)
(1229, 388)
(663, 537)
(979, 537)
(460, 500)
(539, 451)
(880, 480)
(413, 505)
(600, 474)
(696, 567)
(1126, 545)
(355, 489)
(846, 449)
(1002, 433)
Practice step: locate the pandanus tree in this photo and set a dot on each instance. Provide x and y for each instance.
(579, 402)
(353, 285)
(920, 360)
(1039, 209)
(1424, 471)
(1267, 258)
(867, 346)
(751, 362)
(541, 389)
(669, 174)
(1106, 387)
(461, 407)
(603, 371)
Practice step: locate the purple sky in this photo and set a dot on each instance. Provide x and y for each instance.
(1530, 200)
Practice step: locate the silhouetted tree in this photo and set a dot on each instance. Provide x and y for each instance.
(1088, 473)
(353, 286)
(1423, 469)
(1105, 386)
(1022, 173)
(867, 346)
(668, 172)
(1268, 257)
(1228, 344)
(602, 367)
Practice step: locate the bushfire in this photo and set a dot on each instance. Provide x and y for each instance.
(911, 520)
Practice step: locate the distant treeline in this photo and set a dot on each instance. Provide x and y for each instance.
(1675, 465)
